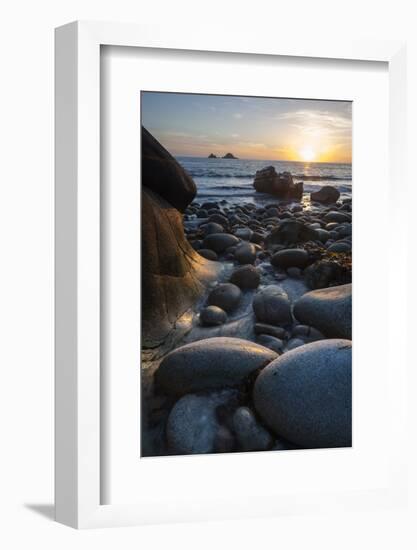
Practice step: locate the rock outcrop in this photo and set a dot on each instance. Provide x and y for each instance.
(280, 184)
(174, 275)
(212, 156)
(162, 174)
(326, 195)
(230, 156)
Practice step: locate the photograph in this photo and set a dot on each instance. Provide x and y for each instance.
(246, 273)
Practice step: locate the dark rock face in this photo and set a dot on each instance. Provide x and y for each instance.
(281, 185)
(212, 156)
(162, 174)
(210, 364)
(305, 396)
(326, 195)
(229, 156)
(329, 310)
(174, 275)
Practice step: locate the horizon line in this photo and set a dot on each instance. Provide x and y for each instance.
(265, 160)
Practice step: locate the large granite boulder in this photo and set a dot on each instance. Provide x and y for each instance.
(329, 310)
(174, 275)
(281, 185)
(162, 174)
(305, 396)
(213, 363)
(326, 195)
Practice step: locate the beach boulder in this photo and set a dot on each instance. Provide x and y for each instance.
(212, 316)
(174, 275)
(219, 241)
(245, 253)
(192, 426)
(272, 306)
(163, 175)
(340, 247)
(225, 296)
(305, 396)
(210, 364)
(250, 435)
(326, 195)
(281, 185)
(292, 257)
(207, 254)
(338, 217)
(329, 310)
(246, 277)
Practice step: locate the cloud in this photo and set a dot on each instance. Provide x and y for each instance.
(238, 115)
(310, 120)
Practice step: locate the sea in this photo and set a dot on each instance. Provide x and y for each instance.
(231, 180)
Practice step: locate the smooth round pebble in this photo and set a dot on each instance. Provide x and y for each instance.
(250, 435)
(246, 277)
(226, 296)
(291, 257)
(213, 316)
(294, 343)
(192, 425)
(245, 253)
(272, 306)
(219, 241)
(271, 342)
(208, 254)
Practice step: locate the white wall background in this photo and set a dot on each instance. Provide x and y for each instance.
(26, 273)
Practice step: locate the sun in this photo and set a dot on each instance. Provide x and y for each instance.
(307, 154)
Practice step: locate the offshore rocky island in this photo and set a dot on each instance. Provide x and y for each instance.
(246, 314)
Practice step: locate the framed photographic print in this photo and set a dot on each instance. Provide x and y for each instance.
(221, 309)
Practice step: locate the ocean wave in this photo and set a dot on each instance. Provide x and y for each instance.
(320, 178)
(204, 174)
(236, 175)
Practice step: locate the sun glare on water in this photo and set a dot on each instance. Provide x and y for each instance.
(307, 154)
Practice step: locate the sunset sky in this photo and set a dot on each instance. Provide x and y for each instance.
(249, 127)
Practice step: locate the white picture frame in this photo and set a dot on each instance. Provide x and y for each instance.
(78, 404)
